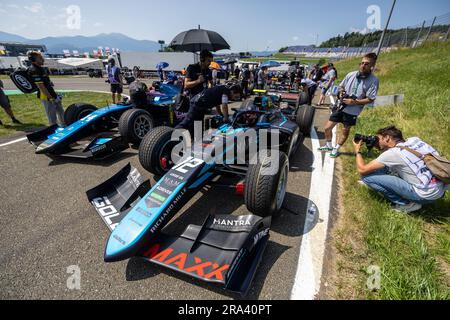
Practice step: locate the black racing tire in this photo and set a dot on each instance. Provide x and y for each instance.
(303, 99)
(77, 112)
(305, 118)
(151, 149)
(264, 194)
(134, 124)
(294, 142)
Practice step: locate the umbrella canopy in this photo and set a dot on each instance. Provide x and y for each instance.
(270, 64)
(162, 65)
(230, 61)
(196, 40)
(214, 65)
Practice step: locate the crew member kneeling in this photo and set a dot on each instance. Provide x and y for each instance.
(398, 174)
(208, 99)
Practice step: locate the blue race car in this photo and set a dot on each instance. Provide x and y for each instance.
(100, 133)
(226, 249)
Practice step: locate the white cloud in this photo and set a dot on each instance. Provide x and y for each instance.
(362, 31)
(295, 38)
(13, 6)
(35, 7)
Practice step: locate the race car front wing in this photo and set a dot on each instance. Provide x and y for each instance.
(225, 250)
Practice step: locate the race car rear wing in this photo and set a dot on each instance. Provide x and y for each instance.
(225, 250)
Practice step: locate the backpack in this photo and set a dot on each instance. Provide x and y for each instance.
(439, 166)
(23, 81)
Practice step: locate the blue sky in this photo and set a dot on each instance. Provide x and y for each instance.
(246, 25)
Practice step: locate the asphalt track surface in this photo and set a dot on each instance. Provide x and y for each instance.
(47, 225)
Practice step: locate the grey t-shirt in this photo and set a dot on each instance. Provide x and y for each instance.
(261, 77)
(398, 166)
(329, 75)
(361, 88)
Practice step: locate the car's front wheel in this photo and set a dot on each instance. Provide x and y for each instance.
(156, 149)
(134, 124)
(78, 111)
(266, 184)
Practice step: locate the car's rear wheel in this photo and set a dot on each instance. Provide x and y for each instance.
(293, 143)
(156, 149)
(265, 188)
(134, 124)
(303, 98)
(78, 111)
(305, 118)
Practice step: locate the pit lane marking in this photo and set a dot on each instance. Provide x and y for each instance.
(312, 250)
(13, 141)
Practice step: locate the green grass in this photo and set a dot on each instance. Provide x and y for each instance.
(29, 110)
(413, 250)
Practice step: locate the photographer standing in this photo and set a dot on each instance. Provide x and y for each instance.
(356, 90)
(50, 100)
(399, 173)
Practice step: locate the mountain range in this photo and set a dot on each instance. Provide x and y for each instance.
(82, 44)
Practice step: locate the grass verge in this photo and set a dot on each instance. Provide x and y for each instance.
(29, 110)
(412, 251)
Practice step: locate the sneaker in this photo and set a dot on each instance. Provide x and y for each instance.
(361, 183)
(325, 149)
(407, 208)
(334, 154)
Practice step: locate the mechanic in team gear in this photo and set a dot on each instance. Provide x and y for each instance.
(115, 80)
(218, 97)
(199, 75)
(246, 76)
(309, 87)
(262, 78)
(6, 105)
(358, 89)
(49, 99)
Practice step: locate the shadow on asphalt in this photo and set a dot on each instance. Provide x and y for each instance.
(290, 223)
(58, 161)
(138, 269)
(302, 160)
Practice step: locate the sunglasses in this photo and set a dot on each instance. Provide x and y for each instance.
(365, 63)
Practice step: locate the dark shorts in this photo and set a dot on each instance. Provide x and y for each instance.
(116, 88)
(346, 119)
(4, 101)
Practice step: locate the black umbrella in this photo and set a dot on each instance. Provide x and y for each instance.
(230, 61)
(196, 40)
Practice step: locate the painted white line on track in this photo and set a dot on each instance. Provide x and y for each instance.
(12, 142)
(25, 138)
(312, 250)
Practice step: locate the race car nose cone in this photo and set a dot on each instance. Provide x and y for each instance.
(41, 149)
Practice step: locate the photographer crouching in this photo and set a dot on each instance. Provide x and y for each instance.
(358, 89)
(400, 173)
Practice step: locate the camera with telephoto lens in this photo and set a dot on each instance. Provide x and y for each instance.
(370, 141)
(340, 105)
